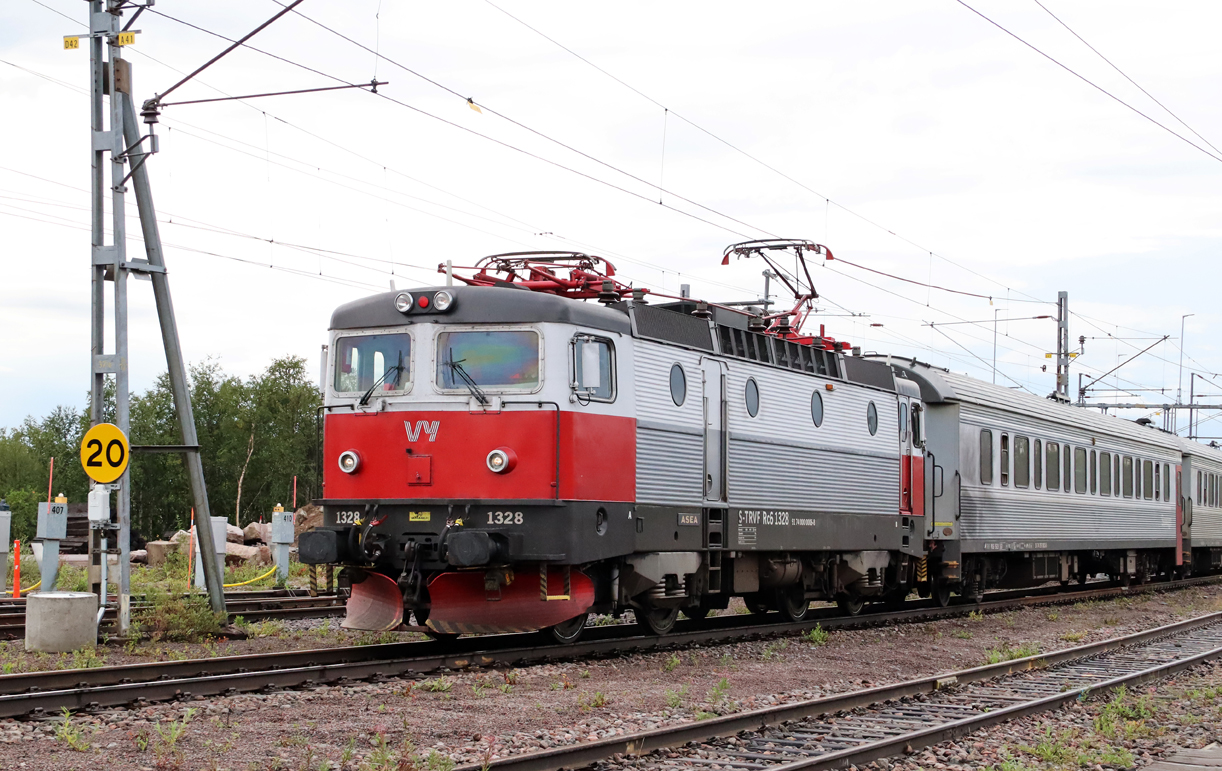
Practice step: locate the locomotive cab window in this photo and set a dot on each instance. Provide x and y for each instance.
(382, 362)
(986, 456)
(593, 366)
(488, 359)
(903, 421)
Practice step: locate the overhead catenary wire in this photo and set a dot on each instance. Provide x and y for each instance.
(1124, 75)
(888, 275)
(503, 143)
(828, 201)
(1092, 84)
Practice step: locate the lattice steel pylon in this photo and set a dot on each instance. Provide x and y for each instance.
(119, 135)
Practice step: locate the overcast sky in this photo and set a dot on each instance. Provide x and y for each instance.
(913, 138)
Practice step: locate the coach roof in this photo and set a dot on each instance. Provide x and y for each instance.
(480, 305)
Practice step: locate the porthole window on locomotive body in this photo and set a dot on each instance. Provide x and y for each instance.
(872, 419)
(678, 385)
(816, 408)
(752, 395)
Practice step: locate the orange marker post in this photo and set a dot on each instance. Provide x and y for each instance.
(16, 569)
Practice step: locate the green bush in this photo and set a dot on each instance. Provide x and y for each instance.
(179, 618)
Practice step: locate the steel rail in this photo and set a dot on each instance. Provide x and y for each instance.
(12, 617)
(23, 693)
(582, 755)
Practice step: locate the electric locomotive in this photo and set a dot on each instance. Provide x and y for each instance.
(508, 455)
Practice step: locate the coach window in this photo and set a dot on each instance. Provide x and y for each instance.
(1054, 466)
(1157, 481)
(1147, 479)
(1067, 456)
(1022, 461)
(1093, 460)
(1166, 481)
(1126, 473)
(593, 360)
(1105, 473)
(1005, 460)
(1198, 498)
(1116, 475)
(986, 456)
(1079, 475)
(1038, 459)
(752, 393)
(678, 385)
(872, 419)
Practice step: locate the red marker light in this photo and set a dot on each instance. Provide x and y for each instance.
(423, 302)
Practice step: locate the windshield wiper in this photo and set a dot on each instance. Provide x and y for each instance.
(457, 368)
(397, 368)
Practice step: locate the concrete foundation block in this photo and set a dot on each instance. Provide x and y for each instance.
(58, 622)
(159, 550)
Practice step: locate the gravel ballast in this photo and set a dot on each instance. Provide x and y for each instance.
(480, 714)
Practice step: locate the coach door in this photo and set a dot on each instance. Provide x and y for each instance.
(715, 431)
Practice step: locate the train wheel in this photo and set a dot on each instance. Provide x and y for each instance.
(850, 605)
(657, 620)
(755, 603)
(569, 631)
(793, 603)
(941, 593)
(696, 612)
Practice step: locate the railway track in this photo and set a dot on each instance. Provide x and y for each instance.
(862, 726)
(252, 606)
(82, 689)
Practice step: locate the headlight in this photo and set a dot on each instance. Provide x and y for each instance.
(349, 461)
(403, 302)
(502, 460)
(443, 300)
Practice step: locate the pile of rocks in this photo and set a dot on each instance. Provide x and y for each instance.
(242, 545)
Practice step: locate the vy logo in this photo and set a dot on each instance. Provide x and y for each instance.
(413, 432)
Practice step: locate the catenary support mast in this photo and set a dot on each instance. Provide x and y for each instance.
(110, 75)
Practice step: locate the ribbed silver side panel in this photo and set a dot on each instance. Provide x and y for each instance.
(780, 458)
(670, 467)
(761, 475)
(1029, 515)
(669, 439)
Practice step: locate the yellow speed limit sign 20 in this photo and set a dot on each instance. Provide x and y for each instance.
(104, 453)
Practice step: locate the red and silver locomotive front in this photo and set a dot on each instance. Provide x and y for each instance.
(476, 447)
